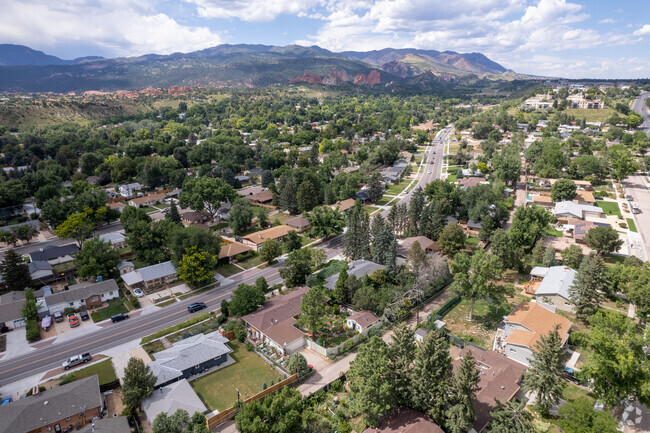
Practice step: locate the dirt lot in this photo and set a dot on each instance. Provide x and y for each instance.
(114, 404)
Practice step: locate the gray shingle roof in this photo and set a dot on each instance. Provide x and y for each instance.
(557, 281)
(170, 398)
(30, 223)
(574, 208)
(81, 291)
(170, 363)
(358, 268)
(53, 252)
(149, 273)
(118, 424)
(34, 412)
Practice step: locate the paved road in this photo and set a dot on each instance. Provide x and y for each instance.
(138, 326)
(635, 187)
(639, 105)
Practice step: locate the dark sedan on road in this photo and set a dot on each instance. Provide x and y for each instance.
(196, 307)
(119, 317)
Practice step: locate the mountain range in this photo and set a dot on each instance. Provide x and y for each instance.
(24, 69)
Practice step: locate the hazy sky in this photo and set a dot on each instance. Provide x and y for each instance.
(576, 38)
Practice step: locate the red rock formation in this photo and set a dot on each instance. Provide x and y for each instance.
(179, 90)
(372, 78)
(308, 77)
(336, 77)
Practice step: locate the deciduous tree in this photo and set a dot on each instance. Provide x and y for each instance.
(206, 193)
(312, 309)
(97, 258)
(137, 384)
(572, 256)
(196, 267)
(241, 216)
(603, 239)
(271, 250)
(326, 222)
(563, 190)
(245, 299)
(452, 239)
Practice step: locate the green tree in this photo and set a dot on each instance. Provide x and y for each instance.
(431, 377)
(591, 279)
(375, 187)
(369, 379)
(173, 214)
(312, 309)
(278, 413)
(293, 241)
(24, 233)
(97, 258)
(77, 226)
(307, 196)
(326, 222)
(619, 366)
(579, 416)
(271, 250)
(241, 216)
(206, 193)
(357, 237)
(529, 224)
(385, 248)
(544, 376)
(417, 257)
(603, 239)
(137, 384)
(621, 161)
(263, 217)
(475, 278)
(452, 239)
(511, 417)
(245, 299)
(298, 365)
(180, 239)
(297, 267)
(502, 247)
(180, 422)
(572, 256)
(339, 295)
(462, 413)
(196, 267)
(131, 216)
(14, 271)
(563, 190)
(401, 354)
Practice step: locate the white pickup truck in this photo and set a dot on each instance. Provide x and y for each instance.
(76, 360)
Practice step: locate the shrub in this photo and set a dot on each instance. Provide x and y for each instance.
(579, 338)
(264, 386)
(68, 378)
(68, 310)
(349, 344)
(240, 332)
(31, 331)
(224, 308)
(221, 319)
(249, 346)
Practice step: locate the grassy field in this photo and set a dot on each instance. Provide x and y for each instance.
(103, 369)
(228, 270)
(590, 115)
(251, 262)
(281, 217)
(396, 189)
(383, 201)
(632, 225)
(472, 241)
(63, 267)
(370, 209)
(218, 390)
(481, 331)
(115, 306)
(452, 178)
(552, 231)
(609, 207)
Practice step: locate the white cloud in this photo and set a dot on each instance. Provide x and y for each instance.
(251, 10)
(607, 21)
(645, 30)
(116, 27)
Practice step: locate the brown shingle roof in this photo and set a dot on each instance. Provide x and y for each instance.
(298, 222)
(499, 378)
(284, 332)
(539, 320)
(148, 198)
(364, 318)
(405, 420)
(261, 197)
(276, 310)
(407, 244)
(232, 249)
(258, 238)
(344, 205)
(471, 181)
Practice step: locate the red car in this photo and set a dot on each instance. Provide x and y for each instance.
(72, 319)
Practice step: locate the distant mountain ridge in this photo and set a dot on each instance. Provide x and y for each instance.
(241, 65)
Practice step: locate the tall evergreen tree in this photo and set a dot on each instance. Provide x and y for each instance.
(307, 196)
(376, 227)
(462, 413)
(375, 187)
(173, 214)
(385, 248)
(592, 277)
(401, 354)
(430, 377)
(544, 376)
(138, 383)
(340, 289)
(287, 192)
(415, 210)
(370, 385)
(511, 417)
(15, 271)
(357, 238)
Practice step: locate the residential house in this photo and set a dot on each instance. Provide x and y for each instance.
(539, 102)
(362, 321)
(147, 200)
(117, 239)
(118, 205)
(82, 296)
(568, 209)
(125, 267)
(544, 201)
(580, 102)
(255, 240)
(168, 399)
(555, 287)
(421, 333)
(243, 179)
(189, 357)
(358, 268)
(344, 205)
(579, 229)
(499, 378)
(40, 271)
(584, 197)
(299, 223)
(150, 277)
(251, 190)
(232, 250)
(195, 218)
(469, 182)
(72, 404)
(130, 189)
(524, 326)
(473, 227)
(264, 197)
(11, 305)
(118, 424)
(405, 420)
(426, 244)
(394, 174)
(274, 322)
(54, 254)
(362, 196)
(256, 172)
(31, 223)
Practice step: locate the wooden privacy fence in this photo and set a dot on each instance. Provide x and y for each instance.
(225, 415)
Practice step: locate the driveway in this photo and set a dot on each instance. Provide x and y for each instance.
(637, 187)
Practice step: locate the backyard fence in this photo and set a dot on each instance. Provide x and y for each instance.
(447, 306)
(225, 415)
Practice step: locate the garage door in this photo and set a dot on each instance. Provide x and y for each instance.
(19, 322)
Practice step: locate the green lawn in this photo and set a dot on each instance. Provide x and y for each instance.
(452, 178)
(609, 207)
(370, 209)
(115, 306)
(396, 189)
(552, 231)
(472, 241)
(251, 261)
(281, 217)
(218, 390)
(63, 267)
(631, 225)
(481, 331)
(166, 303)
(228, 270)
(590, 115)
(103, 369)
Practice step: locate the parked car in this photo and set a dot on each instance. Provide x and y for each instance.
(597, 197)
(76, 360)
(567, 373)
(629, 197)
(6, 400)
(58, 317)
(119, 317)
(429, 172)
(84, 315)
(73, 321)
(138, 293)
(196, 307)
(588, 188)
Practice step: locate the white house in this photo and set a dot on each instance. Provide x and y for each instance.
(82, 296)
(362, 321)
(569, 209)
(555, 288)
(129, 189)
